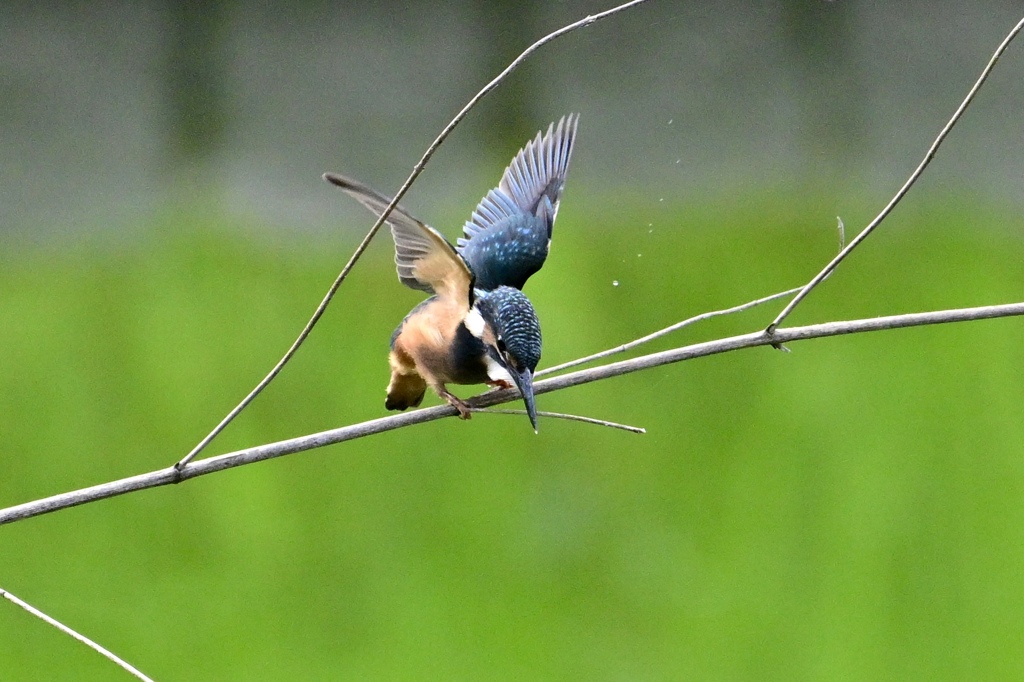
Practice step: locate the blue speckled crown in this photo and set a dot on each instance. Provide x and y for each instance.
(513, 318)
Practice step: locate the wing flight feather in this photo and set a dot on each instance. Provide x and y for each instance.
(424, 258)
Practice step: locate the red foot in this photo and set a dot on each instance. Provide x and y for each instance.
(457, 403)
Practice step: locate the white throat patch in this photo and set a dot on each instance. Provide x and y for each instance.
(475, 323)
(498, 373)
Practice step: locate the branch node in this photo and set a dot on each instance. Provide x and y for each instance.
(176, 471)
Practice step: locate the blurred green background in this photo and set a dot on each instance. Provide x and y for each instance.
(850, 510)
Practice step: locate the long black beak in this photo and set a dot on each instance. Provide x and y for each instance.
(524, 382)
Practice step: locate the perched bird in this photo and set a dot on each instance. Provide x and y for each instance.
(478, 326)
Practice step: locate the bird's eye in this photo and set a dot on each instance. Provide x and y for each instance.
(501, 346)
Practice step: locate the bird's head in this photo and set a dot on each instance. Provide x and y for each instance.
(505, 321)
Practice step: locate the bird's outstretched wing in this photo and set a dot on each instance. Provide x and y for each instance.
(508, 236)
(425, 259)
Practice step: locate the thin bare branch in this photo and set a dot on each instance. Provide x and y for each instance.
(369, 428)
(570, 417)
(80, 637)
(664, 332)
(834, 263)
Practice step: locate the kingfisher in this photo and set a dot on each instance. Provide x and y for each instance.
(477, 326)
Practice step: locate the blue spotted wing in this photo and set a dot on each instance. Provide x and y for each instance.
(508, 236)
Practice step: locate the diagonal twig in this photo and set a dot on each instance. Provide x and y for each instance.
(172, 475)
(834, 263)
(417, 169)
(72, 633)
(664, 332)
(569, 417)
